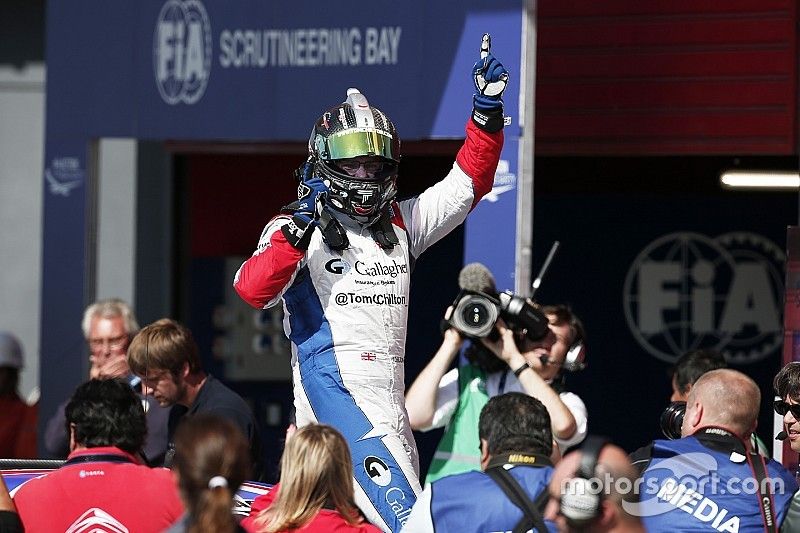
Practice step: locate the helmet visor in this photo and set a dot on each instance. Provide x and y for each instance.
(357, 142)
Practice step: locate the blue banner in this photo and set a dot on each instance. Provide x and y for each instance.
(248, 70)
(65, 265)
(490, 229)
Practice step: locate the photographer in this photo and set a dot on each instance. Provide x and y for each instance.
(711, 478)
(687, 370)
(510, 483)
(512, 362)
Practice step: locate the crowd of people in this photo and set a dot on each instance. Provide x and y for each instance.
(153, 442)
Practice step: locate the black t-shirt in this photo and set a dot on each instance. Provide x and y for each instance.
(216, 398)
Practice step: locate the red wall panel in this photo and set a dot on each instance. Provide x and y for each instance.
(233, 196)
(685, 77)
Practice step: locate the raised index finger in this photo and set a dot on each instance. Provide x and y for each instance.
(486, 44)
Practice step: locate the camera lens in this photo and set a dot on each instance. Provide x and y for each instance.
(475, 314)
(672, 420)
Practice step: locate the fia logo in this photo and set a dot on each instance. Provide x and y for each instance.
(182, 51)
(63, 175)
(686, 291)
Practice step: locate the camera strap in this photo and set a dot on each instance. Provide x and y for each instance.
(501, 386)
(765, 500)
(532, 510)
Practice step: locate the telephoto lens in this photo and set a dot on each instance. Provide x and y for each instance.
(672, 420)
(522, 316)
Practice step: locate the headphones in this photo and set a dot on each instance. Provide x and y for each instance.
(582, 495)
(576, 355)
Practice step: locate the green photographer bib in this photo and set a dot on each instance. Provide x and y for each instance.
(459, 450)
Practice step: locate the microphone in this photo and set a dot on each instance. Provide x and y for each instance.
(782, 436)
(477, 278)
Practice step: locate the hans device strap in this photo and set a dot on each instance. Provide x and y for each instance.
(332, 231)
(531, 510)
(383, 232)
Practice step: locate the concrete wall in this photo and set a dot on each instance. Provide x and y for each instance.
(21, 185)
(116, 220)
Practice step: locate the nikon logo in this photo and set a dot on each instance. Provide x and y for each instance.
(686, 291)
(519, 458)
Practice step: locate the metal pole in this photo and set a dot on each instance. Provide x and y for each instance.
(527, 105)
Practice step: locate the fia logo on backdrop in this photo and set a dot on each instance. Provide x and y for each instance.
(63, 174)
(182, 51)
(686, 291)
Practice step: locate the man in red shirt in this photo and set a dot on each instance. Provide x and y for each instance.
(103, 486)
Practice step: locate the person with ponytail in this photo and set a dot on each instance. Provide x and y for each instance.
(212, 460)
(315, 492)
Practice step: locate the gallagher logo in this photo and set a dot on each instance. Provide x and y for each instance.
(686, 291)
(377, 470)
(182, 51)
(337, 266)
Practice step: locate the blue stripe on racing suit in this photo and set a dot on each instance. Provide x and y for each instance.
(374, 467)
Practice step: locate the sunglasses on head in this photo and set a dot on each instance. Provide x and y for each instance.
(781, 407)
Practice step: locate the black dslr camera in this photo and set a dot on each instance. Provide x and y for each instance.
(475, 314)
(672, 420)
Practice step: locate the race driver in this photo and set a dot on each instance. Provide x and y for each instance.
(340, 258)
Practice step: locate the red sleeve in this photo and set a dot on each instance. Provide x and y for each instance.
(264, 275)
(478, 158)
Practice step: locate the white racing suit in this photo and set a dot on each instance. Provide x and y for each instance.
(345, 314)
